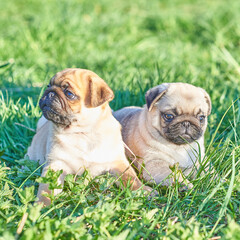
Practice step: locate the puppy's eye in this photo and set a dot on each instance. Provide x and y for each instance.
(69, 94)
(201, 118)
(168, 117)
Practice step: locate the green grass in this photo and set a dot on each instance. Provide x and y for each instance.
(133, 45)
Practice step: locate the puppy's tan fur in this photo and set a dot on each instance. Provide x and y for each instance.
(158, 143)
(80, 133)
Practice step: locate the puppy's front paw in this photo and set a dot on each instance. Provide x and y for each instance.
(149, 191)
(186, 186)
(42, 200)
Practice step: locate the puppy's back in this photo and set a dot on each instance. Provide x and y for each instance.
(126, 113)
(128, 118)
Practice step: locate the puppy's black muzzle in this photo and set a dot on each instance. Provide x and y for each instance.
(53, 108)
(46, 99)
(183, 132)
(49, 99)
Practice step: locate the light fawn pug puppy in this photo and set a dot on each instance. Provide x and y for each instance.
(168, 130)
(78, 132)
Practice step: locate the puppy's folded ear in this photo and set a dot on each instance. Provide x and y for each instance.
(154, 94)
(98, 92)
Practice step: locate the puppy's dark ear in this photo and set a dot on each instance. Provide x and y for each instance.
(154, 94)
(98, 92)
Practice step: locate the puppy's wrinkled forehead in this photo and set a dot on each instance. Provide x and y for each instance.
(184, 99)
(73, 78)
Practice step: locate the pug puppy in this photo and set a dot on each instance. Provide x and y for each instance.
(168, 130)
(78, 132)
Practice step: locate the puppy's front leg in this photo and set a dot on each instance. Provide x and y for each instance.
(44, 188)
(123, 168)
(157, 171)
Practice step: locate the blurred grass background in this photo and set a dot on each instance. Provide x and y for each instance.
(133, 45)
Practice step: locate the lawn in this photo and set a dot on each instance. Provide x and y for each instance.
(133, 45)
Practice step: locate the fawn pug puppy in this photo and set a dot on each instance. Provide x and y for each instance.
(169, 129)
(78, 130)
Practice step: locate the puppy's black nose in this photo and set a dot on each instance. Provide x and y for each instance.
(51, 95)
(186, 124)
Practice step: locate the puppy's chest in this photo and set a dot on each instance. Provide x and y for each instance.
(186, 156)
(81, 149)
